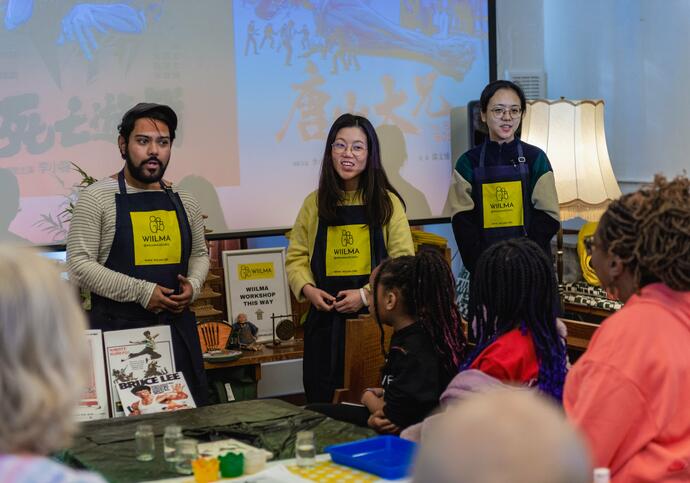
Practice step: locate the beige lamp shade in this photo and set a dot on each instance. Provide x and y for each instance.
(571, 133)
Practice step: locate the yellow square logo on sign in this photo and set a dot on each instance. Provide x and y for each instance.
(255, 271)
(348, 251)
(502, 204)
(157, 238)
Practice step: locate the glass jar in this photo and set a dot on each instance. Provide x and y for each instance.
(173, 433)
(186, 451)
(145, 442)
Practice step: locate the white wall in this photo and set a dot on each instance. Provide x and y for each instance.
(634, 54)
(519, 35)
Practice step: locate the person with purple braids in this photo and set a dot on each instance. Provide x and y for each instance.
(520, 342)
(512, 308)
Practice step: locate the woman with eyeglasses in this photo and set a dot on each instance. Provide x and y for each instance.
(346, 228)
(629, 392)
(503, 188)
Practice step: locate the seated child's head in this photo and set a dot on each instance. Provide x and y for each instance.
(514, 286)
(420, 287)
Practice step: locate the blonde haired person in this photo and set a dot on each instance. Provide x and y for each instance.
(499, 436)
(43, 361)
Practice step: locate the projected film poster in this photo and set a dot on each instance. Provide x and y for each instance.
(402, 64)
(256, 85)
(136, 354)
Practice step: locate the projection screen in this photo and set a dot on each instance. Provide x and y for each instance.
(256, 85)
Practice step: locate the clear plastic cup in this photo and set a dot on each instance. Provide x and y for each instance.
(254, 461)
(305, 449)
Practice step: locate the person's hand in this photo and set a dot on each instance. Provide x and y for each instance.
(348, 301)
(161, 301)
(321, 300)
(376, 391)
(184, 298)
(372, 396)
(382, 425)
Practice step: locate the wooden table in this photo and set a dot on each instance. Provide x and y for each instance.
(287, 350)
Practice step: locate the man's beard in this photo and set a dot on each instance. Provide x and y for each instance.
(139, 172)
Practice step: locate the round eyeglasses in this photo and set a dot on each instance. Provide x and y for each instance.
(357, 149)
(499, 112)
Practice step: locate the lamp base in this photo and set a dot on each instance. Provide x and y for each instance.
(559, 254)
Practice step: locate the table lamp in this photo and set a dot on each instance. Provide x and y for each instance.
(571, 133)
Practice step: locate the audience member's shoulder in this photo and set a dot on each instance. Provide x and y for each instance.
(628, 331)
(38, 469)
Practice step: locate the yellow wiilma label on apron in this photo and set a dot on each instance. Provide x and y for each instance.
(157, 238)
(348, 251)
(502, 204)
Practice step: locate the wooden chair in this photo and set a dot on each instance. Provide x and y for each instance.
(579, 333)
(213, 335)
(363, 358)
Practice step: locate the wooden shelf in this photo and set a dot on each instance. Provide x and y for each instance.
(584, 309)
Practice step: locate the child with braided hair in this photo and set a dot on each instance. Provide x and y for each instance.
(629, 391)
(512, 307)
(520, 342)
(415, 295)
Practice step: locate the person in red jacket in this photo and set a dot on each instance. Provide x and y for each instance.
(629, 392)
(512, 308)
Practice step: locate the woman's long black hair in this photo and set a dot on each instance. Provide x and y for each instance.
(373, 183)
(514, 286)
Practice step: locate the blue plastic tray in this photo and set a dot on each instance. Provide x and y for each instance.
(386, 456)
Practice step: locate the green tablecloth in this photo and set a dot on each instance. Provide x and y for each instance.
(107, 446)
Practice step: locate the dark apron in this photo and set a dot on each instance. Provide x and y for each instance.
(324, 332)
(504, 185)
(107, 314)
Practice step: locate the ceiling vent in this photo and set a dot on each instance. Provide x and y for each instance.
(532, 82)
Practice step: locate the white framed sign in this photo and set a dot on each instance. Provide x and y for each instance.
(94, 400)
(256, 285)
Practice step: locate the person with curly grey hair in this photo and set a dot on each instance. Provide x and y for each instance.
(43, 365)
